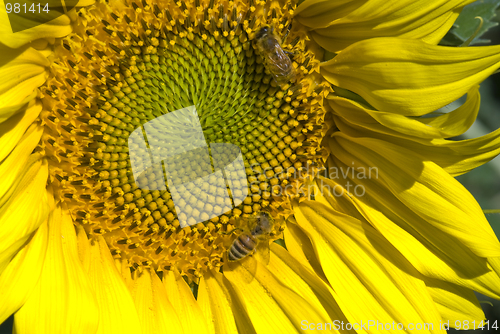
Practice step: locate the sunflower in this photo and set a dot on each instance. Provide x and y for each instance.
(342, 152)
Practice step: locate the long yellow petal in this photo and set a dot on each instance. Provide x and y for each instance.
(13, 129)
(428, 20)
(16, 161)
(180, 296)
(21, 275)
(83, 247)
(301, 248)
(456, 157)
(27, 208)
(62, 301)
(58, 27)
(15, 102)
(156, 314)
(455, 303)
(266, 294)
(22, 72)
(321, 13)
(361, 265)
(304, 282)
(451, 124)
(423, 187)
(410, 75)
(116, 307)
(8, 255)
(33, 163)
(432, 252)
(215, 303)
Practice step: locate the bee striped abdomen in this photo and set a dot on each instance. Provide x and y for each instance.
(241, 247)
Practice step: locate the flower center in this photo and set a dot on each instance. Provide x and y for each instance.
(125, 68)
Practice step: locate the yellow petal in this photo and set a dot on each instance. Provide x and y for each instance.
(456, 157)
(215, 303)
(156, 314)
(62, 301)
(304, 282)
(321, 13)
(180, 296)
(58, 27)
(431, 251)
(362, 265)
(423, 187)
(6, 256)
(22, 72)
(238, 308)
(428, 20)
(451, 124)
(16, 161)
(266, 294)
(21, 275)
(15, 102)
(116, 307)
(27, 208)
(410, 75)
(455, 303)
(456, 122)
(13, 129)
(494, 262)
(32, 160)
(301, 248)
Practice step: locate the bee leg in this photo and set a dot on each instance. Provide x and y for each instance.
(290, 54)
(287, 32)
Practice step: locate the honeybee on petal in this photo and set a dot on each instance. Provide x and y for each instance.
(246, 243)
(280, 66)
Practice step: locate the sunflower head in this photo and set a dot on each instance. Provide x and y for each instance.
(123, 69)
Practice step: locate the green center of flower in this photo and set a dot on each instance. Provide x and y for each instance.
(124, 68)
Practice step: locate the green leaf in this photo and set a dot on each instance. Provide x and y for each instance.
(467, 24)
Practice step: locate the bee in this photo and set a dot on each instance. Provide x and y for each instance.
(268, 44)
(246, 243)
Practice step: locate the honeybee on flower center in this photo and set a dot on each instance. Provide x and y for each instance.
(280, 66)
(246, 243)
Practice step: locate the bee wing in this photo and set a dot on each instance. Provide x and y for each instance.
(280, 60)
(247, 268)
(244, 268)
(262, 252)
